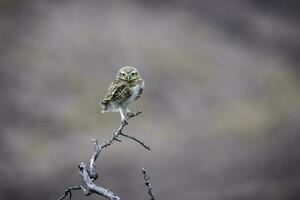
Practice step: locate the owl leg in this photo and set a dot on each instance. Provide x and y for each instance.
(123, 116)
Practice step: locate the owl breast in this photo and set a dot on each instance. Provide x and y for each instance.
(134, 93)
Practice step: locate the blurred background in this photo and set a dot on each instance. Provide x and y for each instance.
(221, 109)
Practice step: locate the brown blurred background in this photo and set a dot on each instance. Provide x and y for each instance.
(221, 106)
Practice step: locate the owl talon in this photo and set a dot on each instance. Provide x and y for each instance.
(130, 114)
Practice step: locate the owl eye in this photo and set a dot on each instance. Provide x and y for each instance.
(123, 74)
(133, 73)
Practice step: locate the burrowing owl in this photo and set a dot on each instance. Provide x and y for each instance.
(124, 90)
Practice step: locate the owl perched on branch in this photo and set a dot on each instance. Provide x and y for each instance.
(123, 91)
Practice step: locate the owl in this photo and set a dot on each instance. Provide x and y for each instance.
(123, 91)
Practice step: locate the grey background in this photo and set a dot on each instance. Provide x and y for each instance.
(221, 106)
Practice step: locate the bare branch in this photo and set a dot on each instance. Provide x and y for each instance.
(68, 191)
(148, 184)
(93, 188)
(133, 138)
(89, 175)
(98, 147)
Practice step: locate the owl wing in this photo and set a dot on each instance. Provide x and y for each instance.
(114, 92)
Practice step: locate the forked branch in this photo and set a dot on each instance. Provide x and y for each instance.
(89, 175)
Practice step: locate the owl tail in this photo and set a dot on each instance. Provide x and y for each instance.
(104, 105)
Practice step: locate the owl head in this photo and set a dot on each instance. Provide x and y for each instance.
(128, 73)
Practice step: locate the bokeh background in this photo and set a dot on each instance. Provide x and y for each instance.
(221, 109)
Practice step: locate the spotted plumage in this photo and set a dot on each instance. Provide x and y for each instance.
(123, 91)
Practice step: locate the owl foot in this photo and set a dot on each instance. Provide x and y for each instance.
(130, 114)
(124, 122)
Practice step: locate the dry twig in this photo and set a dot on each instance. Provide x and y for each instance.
(148, 184)
(89, 175)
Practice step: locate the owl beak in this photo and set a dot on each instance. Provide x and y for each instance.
(128, 77)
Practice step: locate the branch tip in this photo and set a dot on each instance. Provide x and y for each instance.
(148, 184)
